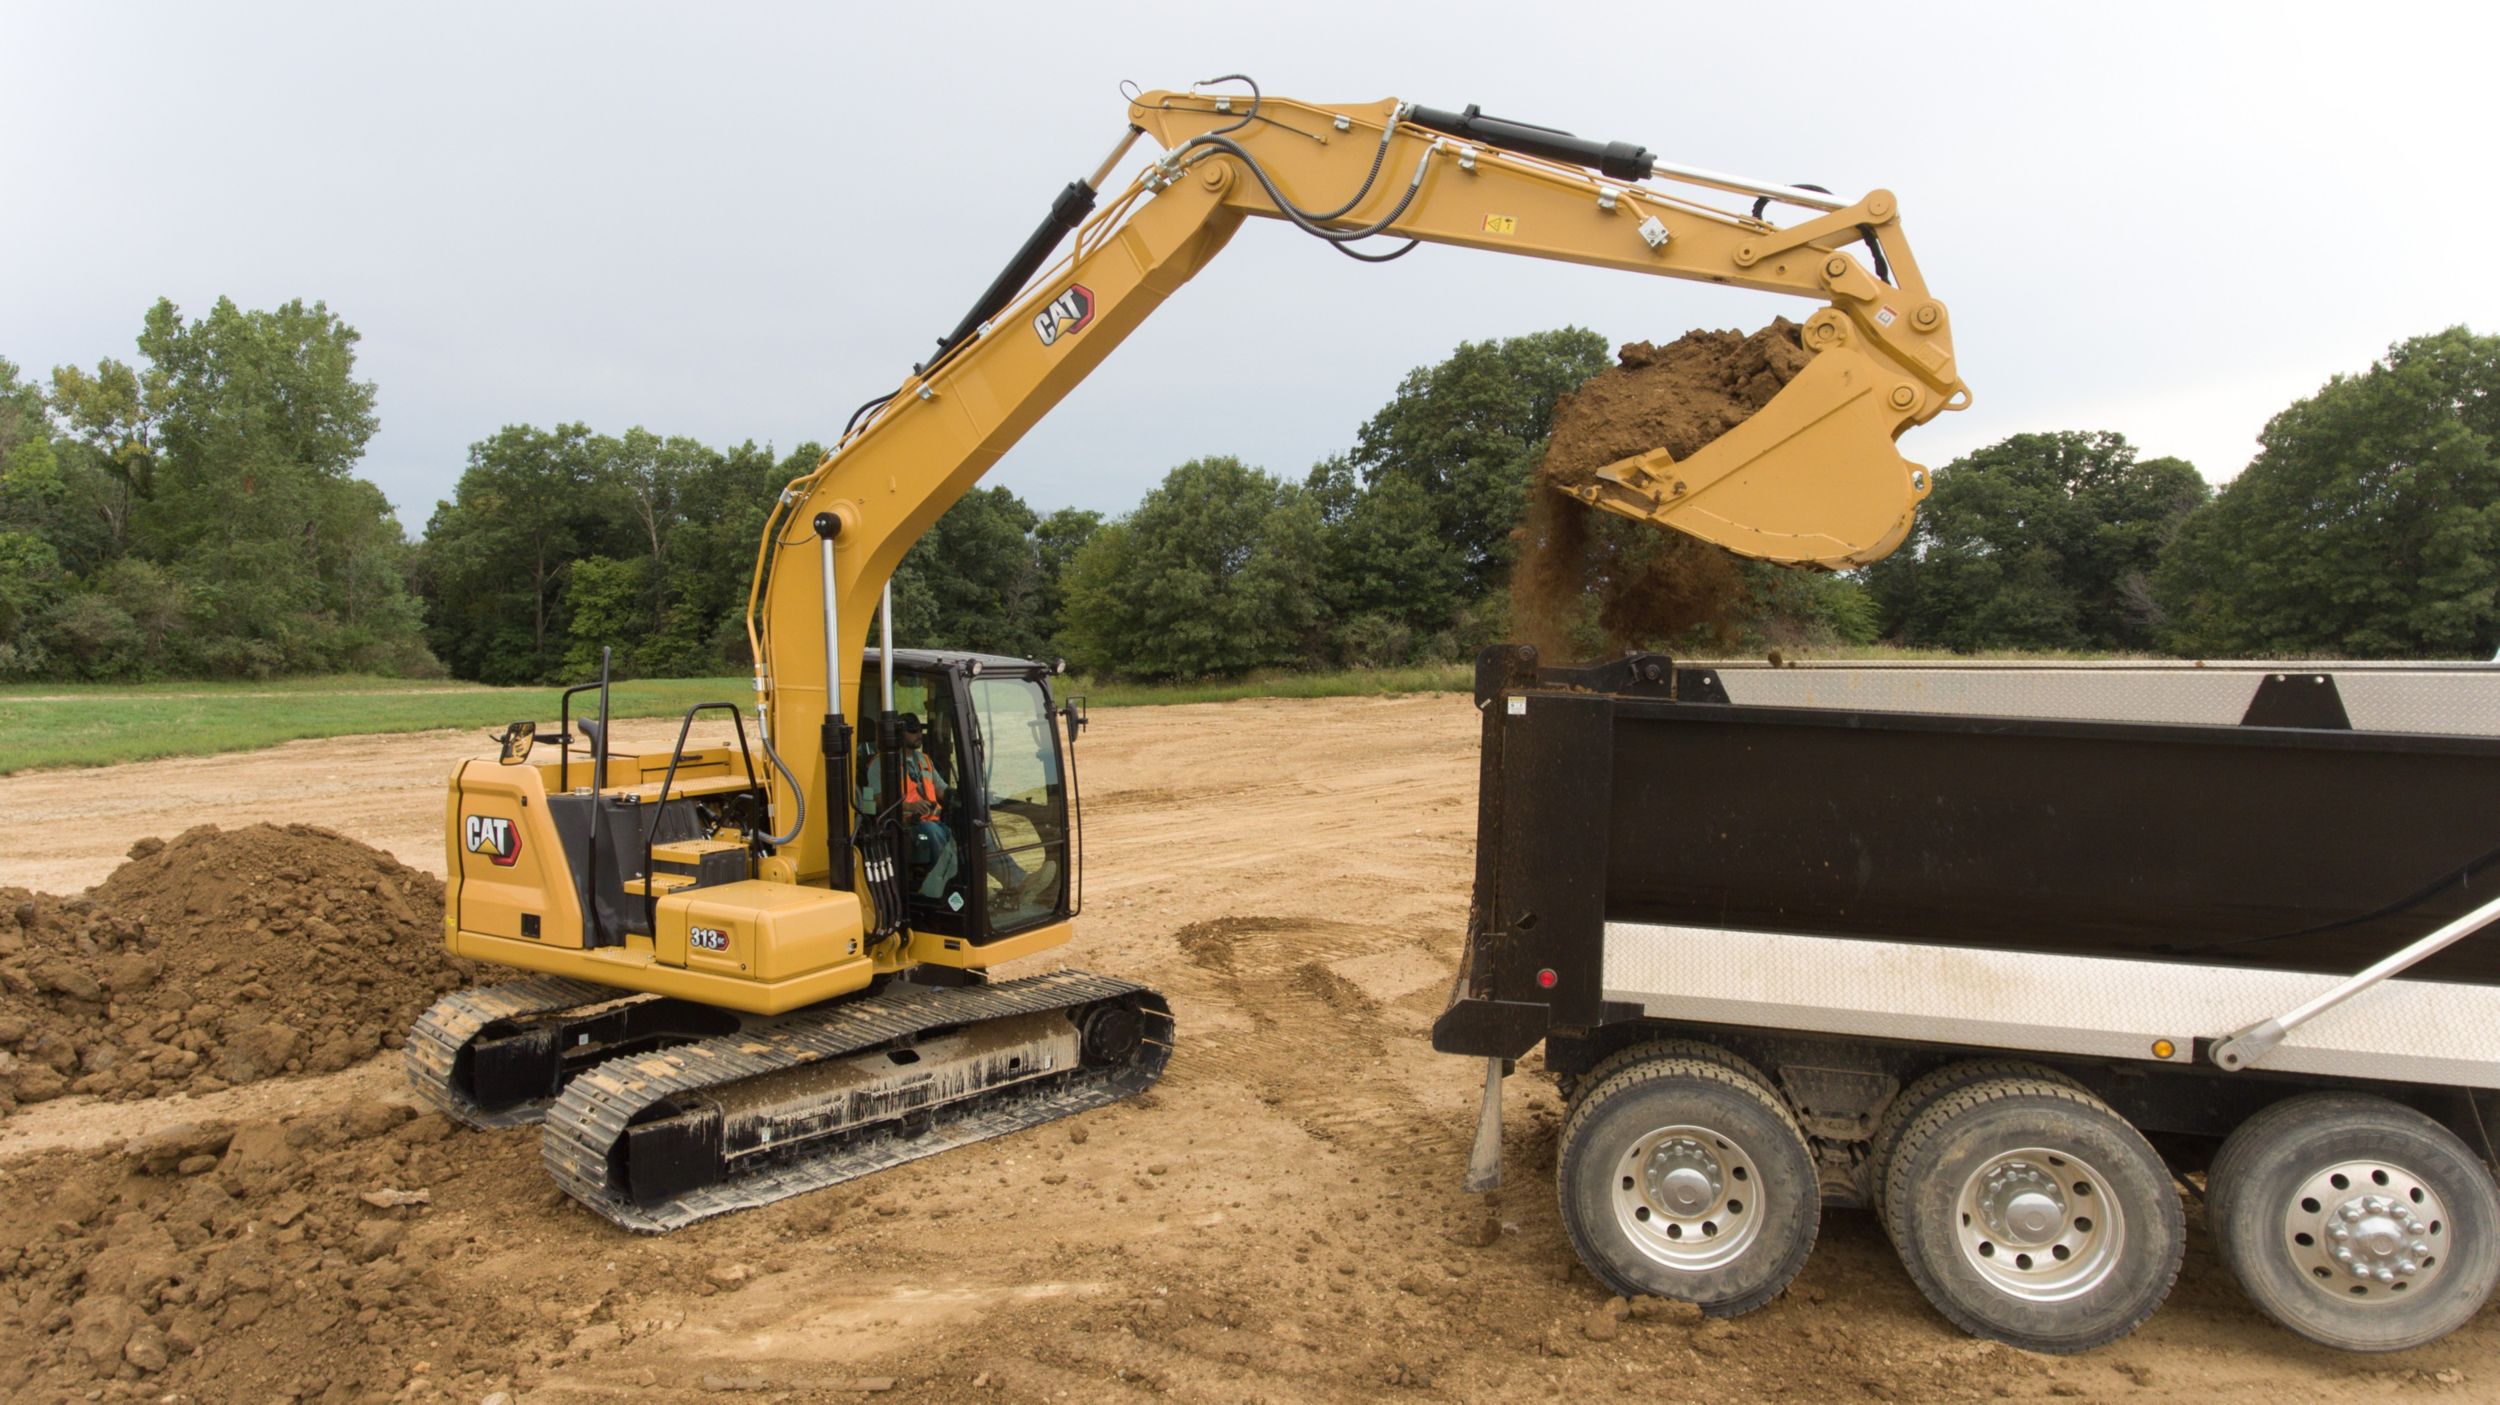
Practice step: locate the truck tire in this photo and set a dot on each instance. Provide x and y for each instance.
(1649, 1049)
(2030, 1213)
(2355, 1221)
(1922, 1094)
(1685, 1178)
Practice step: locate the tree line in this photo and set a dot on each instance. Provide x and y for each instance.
(197, 514)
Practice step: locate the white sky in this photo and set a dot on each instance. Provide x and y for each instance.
(735, 221)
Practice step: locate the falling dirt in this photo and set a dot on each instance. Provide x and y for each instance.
(1280, 1220)
(1588, 581)
(218, 958)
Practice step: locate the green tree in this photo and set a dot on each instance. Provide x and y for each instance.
(974, 580)
(711, 556)
(605, 606)
(496, 556)
(1465, 436)
(115, 413)
(1393, 584)
(1056, 540)
(1217, 572)
(202, 508)
(2368, 525)
(30, 575)
(2040, 541)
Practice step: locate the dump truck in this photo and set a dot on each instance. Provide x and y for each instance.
(2004, 953)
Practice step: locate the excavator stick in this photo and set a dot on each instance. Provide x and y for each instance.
(1811, 479)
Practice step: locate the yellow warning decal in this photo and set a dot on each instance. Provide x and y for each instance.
(1501, 224)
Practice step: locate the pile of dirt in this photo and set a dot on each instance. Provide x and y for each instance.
(278, 1259)
(1648, 585)
(221, 957)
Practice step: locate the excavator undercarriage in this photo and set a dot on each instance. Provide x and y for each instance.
(656, 1122)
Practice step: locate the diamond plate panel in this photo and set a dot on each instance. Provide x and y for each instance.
(2409, 1031)
(2438, 699)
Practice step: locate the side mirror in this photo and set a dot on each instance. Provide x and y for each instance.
(1074, 711)
(517, 739)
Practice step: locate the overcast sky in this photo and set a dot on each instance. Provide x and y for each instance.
(738, 221)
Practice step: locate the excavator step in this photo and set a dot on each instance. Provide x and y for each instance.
(798, 1102)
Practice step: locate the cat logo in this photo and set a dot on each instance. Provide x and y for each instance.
(496, 839)
(1068, 312)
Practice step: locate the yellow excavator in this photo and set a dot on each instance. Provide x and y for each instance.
(758, 968)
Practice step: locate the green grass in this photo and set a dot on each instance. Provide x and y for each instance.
(95, 725)
(57, 724)
(1348, 683)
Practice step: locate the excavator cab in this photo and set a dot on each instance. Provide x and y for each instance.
(998, 859)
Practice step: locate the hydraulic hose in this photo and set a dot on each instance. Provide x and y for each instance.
(798, 796)
(1303, 218)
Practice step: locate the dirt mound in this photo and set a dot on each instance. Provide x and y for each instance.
(1587, 580)
(273, 1260)
(221, 957)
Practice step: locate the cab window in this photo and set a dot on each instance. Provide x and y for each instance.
(1017, 783)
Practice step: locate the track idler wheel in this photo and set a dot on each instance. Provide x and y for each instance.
(1111, 1031)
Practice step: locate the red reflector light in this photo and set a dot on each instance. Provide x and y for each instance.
(1546, 978)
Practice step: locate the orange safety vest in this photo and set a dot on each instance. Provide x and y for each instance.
(919, 784)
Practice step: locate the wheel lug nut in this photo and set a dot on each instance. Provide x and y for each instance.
(2343, 1256)
(2421, 1246)
(2385, 1275)
(2350, 1212)
(2406, 1266)
(2341, 1231)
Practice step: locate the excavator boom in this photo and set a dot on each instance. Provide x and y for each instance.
(1812, 479)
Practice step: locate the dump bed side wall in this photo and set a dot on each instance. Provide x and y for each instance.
(2268, 847)
(1633, 792)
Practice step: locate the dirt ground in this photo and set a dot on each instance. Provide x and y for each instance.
(1279, 1221)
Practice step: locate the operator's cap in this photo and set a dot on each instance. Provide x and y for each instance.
(907, 721)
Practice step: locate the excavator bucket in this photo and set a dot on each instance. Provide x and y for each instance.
(1811, 479)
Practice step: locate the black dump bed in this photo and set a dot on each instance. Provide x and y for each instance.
(2309, 818)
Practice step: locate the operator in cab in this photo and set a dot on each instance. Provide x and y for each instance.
(933, 854)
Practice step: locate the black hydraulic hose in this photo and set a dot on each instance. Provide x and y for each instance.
(862, 413)
(1399, 252)
(1246, 118)
(1874, 246)
(1295, 213)
(798, 797)
(1380, 156)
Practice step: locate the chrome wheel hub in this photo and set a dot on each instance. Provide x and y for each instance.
(2364, 1229)
(1685, 1195)
(2040, 1225)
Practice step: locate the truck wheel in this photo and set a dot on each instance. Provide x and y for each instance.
(2355, 1221)
(1685, 1178)
(1922, 1094)
(2030, 1213)
(1649, 1049)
